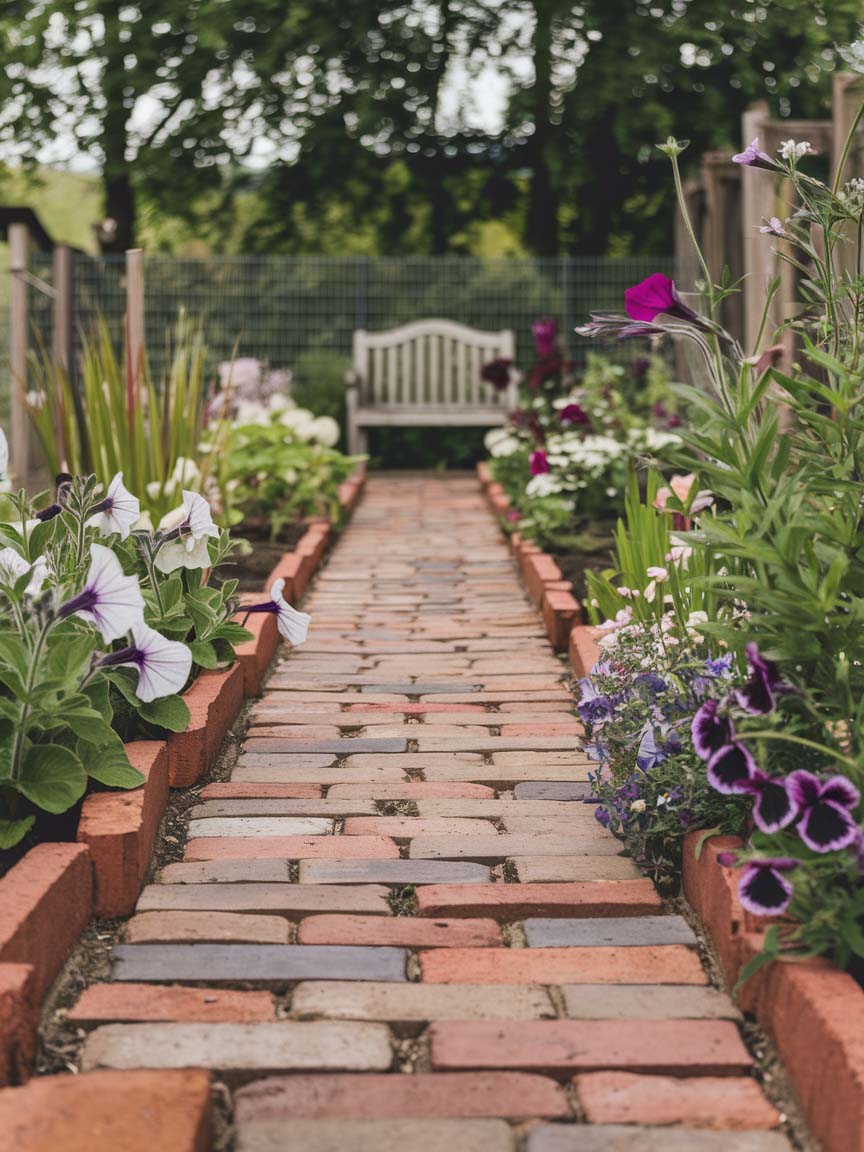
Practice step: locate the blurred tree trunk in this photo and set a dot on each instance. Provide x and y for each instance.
(541, 227)
(116, 176)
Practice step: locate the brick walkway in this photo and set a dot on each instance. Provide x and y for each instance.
(399, 925)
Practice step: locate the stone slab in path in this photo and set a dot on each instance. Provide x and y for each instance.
(264, 806)
(206, 928)
(289, 900)
(393, 872)
(281, 1046)
(265, 964)
(724, 1102)
(574, 869)
(260, 826)
(400, 931)
(291, 848)
(621, 1138)
(620, 932)
(551, 790)
(377, 1136)
(405, 1003)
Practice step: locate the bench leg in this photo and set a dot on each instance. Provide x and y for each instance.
(358, 440)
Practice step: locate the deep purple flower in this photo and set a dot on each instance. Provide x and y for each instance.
(574, 414)
(639, 368)
(498, 373)
(758, 695)
(654, 296)
(763, 889)
(730, 769)
(48, 513)
(751, 154)
(601, 815)
(545, 333)
(539, 462)
(774, 808)
(825, 808)
(711, 730)
(685, 817)
(592, 706)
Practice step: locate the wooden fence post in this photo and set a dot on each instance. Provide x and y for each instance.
(134, 312)
(847, 96)
(757, 205)
(19, 345)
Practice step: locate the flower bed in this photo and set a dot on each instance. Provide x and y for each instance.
(48, 897)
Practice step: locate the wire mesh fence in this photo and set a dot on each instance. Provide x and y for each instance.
(282, 309)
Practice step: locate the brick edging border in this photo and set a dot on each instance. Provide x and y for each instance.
(49, 897)
(544, 580)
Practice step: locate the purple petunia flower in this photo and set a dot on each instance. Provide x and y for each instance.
(574, 414)
(751, 154)
(539, 462)
(730, 769)
(601, 815)
(774, 808)
(545, 333)
(711, 730)
(654, 296)
(758, 696)
(763, 889)
(825, 808)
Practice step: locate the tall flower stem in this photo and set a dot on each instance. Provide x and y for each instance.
(24, 706)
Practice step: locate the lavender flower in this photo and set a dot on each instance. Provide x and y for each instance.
(825, 808)
(293, 625)
(752, 154)
(763, 888)
(774, 227)
(163, 666)
(110, 600)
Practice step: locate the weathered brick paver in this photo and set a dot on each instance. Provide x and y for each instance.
(403, 879)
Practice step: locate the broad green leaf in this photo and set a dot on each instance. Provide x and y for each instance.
(12, 832)
(170, 712)
(52, 777)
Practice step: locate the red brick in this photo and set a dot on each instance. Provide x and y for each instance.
(109, 1112)
(518, 901)
(143, 1003)
(510, 1095)
(214, 701)
(18, 1021)
(46, 902)
(668, 964)
(400, 931)
(291, 848)
(729, 1103)
(561, 612)
(712, 892)
(413, 709)
(120, 830)
(254, 656)
(407, 827)
(670, 1047)
(206, 928)
(583, 649)
(286, 569)
(252, 791)
(567, 727)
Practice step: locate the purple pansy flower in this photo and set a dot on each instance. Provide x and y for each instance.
(601, 815)
(654, 296)
(592, 706)
(751, 154)
(758, 695)
(545, 333)
(574, 414)
(763, 889)
(730, 769)
(711, 730)
(825, 808)
(539, 462)
(649, 754)
(774, 808)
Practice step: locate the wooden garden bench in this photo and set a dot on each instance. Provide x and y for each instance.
(425, 374)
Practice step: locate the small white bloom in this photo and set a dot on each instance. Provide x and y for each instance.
(119, 511)
(650, 592)
(795, 149)
(659, 574)
(292, 624)
(854, 55)
(325, 430)
(638, 806)
(195, 526)
(13, 566)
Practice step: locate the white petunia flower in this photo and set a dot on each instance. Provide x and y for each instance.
(292, 624)
(110, 600)
(189, 528)
(118, 512)
(13, 566)
(163, 665)
(326, 431)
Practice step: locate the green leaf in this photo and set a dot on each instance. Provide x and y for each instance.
(110, 766)
(97, 692)
(203, 653)
(68, 658)
(89, 724)
(52, 777)
(12, 832)
(125, 683)
(703, 840)
(170, 712)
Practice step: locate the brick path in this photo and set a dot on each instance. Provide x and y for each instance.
(399, 925)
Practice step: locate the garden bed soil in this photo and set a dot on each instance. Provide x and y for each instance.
(253, 568)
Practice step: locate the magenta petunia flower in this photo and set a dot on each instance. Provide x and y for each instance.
(825, 808)
(545, 333)
(654, 296)
(574, 414)
(539, 462)
(763, 888)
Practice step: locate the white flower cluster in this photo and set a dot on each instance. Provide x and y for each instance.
(852, 196)
(501, 442)
(795, 149)
(853, 56)
(303, 424)
(652, 439)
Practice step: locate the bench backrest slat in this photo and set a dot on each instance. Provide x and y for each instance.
(429, 364)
